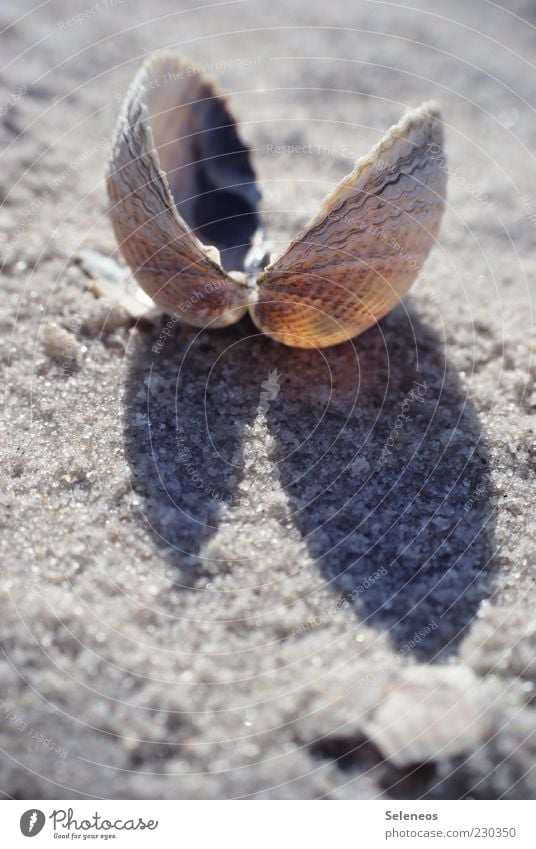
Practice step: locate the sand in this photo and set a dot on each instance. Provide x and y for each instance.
(213, 592)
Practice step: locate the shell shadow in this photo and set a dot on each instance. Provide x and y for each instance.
(175, 406)
(379, 449)
(388, 478)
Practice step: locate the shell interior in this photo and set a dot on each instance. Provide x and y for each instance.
(207, 165)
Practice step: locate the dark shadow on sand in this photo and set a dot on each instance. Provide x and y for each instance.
(378, 448)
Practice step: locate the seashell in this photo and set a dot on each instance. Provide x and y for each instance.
(434, 713)
(184, 211)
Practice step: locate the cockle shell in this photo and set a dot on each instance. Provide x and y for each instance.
(184, 211)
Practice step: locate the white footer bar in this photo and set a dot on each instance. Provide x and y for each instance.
(270, 824)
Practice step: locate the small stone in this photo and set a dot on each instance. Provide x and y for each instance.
(60, 345)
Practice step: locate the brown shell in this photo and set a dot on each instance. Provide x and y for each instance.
(184, 209)
(161, 168)
(354, 261)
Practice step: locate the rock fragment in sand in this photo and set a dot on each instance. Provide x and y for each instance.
(60, 345)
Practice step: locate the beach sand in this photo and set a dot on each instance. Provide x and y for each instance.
(211, 593)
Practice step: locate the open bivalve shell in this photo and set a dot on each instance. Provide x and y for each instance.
(184, 211)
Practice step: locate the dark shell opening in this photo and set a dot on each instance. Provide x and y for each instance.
(207, 166)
